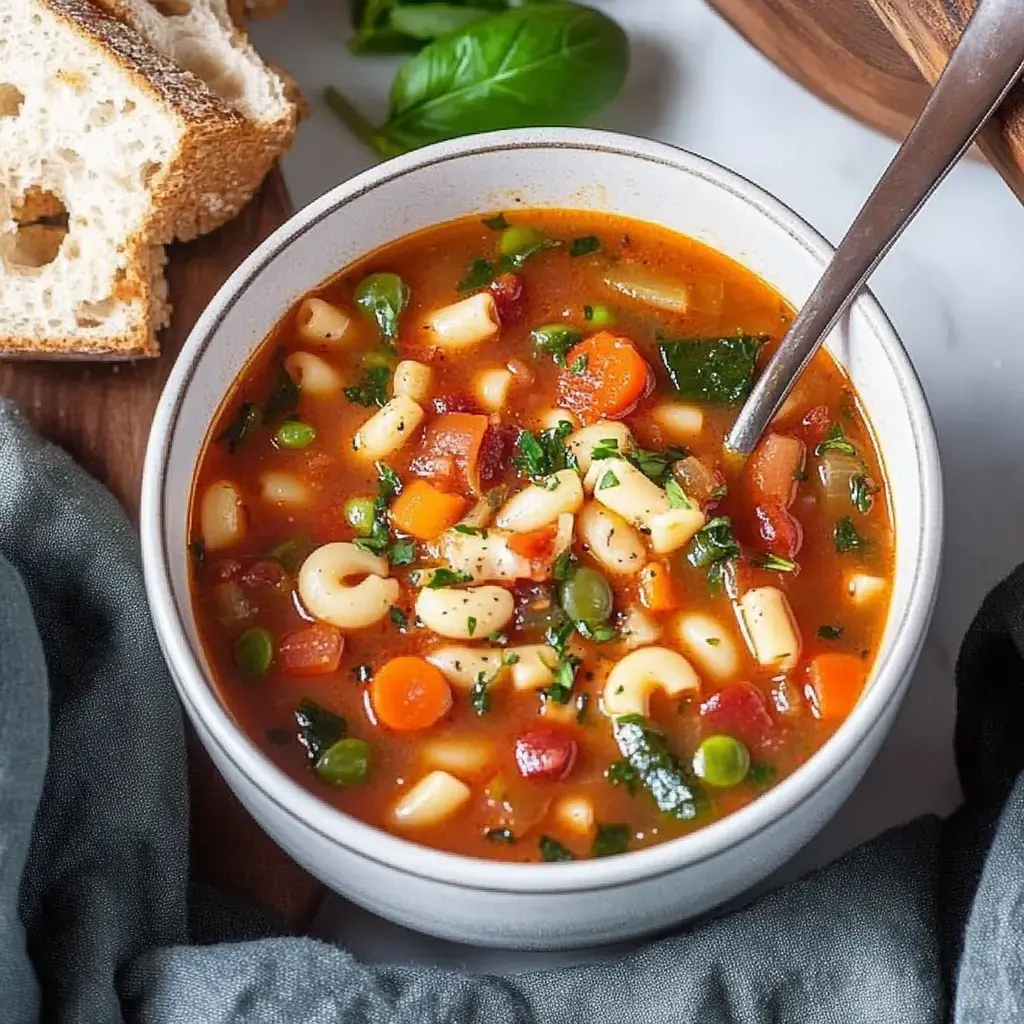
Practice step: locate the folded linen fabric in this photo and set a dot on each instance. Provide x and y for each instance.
(98, 923)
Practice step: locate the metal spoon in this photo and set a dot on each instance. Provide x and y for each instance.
(986, 62)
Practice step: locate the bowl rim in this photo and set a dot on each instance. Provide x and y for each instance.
(301, 805)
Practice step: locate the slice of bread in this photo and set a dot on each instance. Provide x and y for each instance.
(107, 150)
(201, 36)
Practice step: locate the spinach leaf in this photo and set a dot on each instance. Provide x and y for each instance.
(535, 65)
(584, 246)
(655, 465)
(555, 339)
(713, 544)
(552, 850)
(622, 773)
(443, 577)
(712, 369)
(479, 696)
(372, 389)
(845, 536)
(245, 419)
(479, 275)
(383, 297)
(285, 396)
(835, 441)
(543, 454)
(669, 782)
(319, 729)
(610, 840)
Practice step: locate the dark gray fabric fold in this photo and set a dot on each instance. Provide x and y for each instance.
(922, 925)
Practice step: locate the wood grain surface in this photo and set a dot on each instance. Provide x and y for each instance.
(101, 413)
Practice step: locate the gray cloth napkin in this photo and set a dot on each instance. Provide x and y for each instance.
(98, 924)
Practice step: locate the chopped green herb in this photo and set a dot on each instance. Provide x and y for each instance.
(197, 549)
(712, 545)
(584, 245)
(545, 454)
(388, 481)
(564, 566)
(609, 479)
(402, 552)
(564, 672)
(371, 390)
(599, 316)
(471, 625)
(845, 536)
(712, 641)
(550, 483)
(518, 244)
(830, 632)
(470, 531)
(836, 441)
(319, 729)
(509, 658)
(246, 418)
(622, 773)
(285, 396)
(860, 493)
(479, 695)
(606, 448)
(551, 850)
(383, 297)
(398, 617)
(555, 340)
(712, 369)
(762, 775)
(557, 636)
(600, 632)
(498, 223)
(579, 364)
(582, 706)
(656, 465)
(676, 495)
(479, 275)
(443, 577)
(610, 840)
(776, 563)
(500, 835)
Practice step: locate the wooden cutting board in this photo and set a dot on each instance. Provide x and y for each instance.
(101, 413)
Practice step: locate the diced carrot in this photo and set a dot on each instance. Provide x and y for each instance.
(834, 684)
(604, 378)
(450, 450)
(424, 512)
(313, 651)
(534, 543)
(657, 592)
(409, 694)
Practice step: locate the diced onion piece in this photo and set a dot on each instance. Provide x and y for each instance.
(320, 321)
(277, 488)
(491, 388)
(835, 470)
(465, 757)
(863, 589)
(611, 540)
(638, 629)
(709, 644)
(437, 797)
(770, 628)
(479, 516)
(533, 667)
(620, 486)
(698, 481)
(314, 376)
(643, 285)
(463, 666)
(583, 442)
(464, 324)
(412, 380)
(678, 421)
(389, 428)
(538, 505)
(673, 529)
(222, 516)
(575, 814)
(633, 680)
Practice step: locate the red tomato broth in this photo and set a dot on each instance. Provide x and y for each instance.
(555, 287)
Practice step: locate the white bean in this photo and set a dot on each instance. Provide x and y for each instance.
(631, 683)
(672, 529)
(321, 321)
(551, 418)
(388, 428)
(326, 595)
(277, 488)
(620, 486)
(708, 643)
(437, 797)
(769, 627)
(465, 323)
(533, 667)
(465, 757)
(463, 666)
(314, 376)
(575, 813)
(611, 540)
(412, 380)
(538, 505)
(583, 442)
(864, 589)
(679, 422)
(222, 516)
(465, 614)
(491, 388)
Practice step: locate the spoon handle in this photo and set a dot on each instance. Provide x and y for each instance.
(982, 68)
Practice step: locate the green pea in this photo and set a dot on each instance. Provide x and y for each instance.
(383, 297)
(586, 596)
(295, 434)
(346, 763)
(599, 316)
(722, 761)
(360, 514)
(254, 651)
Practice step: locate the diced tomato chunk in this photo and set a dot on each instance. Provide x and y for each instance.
(453, 403)
(780, 531)
(267, 572)
(814, 426)
(739, 710)
(495, 452)
(313, 651)
(509, 291)
(545, 753)
(775, 469)
(449, 453)
(224, 569)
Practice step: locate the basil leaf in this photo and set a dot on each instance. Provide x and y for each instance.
(479, 275)
(371, 390)
(424, 22)
(712, 544)
(712, 369)
(536, 65)
(443, 577)
(319, 729)
(285, 396)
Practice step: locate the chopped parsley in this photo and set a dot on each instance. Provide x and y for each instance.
(402, 552)
(712, 641)
(584, 245)
(471, 625)
(479, 275)
(371, 390)
(509, 657)
(555, 340)
(500, 835)
(498, 223)
(564, 673)
(246, 418)
(551, 850)
(830, 632)
(479, 695)
(655, 465)
(608, 480)
(836, 441)
(610, 840)
(712, 547)
(565, 565)
(606, 448)
(443, 577)
(622, 773)
(579, 364)
(388, 481)
(861, 491)
(676, 495)
(544, 454)
(776, 563)
(398, 617)
(845, 536)
(599, 632)
(761, 775)
(285, 396)
(380, 532)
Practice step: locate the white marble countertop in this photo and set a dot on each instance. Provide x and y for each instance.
(951, 286)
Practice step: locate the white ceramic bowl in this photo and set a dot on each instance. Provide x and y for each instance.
(585, 902)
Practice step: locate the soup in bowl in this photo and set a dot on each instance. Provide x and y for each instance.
(455, 558)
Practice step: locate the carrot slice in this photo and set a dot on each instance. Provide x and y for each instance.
(424, 512)
(834, 684)
(657, 592)
(450, 450)
(604, 378)
(409, 694)
(313, 651)
(533, 543)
